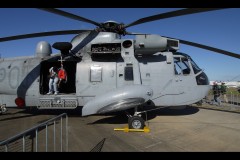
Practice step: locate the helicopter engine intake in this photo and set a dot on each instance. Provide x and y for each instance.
(151, 44)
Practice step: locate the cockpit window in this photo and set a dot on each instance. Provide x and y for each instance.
(195, 67)
(181, 66)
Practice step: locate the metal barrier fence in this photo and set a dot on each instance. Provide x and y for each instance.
(32, 140)
(234, 99)
(230, 99)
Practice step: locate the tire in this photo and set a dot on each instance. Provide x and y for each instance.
(136, 122)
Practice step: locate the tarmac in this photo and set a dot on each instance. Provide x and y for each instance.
(204, 128)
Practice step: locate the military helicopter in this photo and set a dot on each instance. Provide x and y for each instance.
(105, 72)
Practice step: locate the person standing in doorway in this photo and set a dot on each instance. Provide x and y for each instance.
(62, 76)
(53, 81)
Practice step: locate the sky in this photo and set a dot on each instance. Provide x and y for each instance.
(219, 29)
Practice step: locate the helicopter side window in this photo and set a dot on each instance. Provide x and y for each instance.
(128, 72)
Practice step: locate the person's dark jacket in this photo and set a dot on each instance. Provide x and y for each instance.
(216, 90)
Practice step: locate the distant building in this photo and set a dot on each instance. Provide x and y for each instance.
(233, 84)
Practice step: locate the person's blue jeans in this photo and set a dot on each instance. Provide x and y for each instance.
(53, 84)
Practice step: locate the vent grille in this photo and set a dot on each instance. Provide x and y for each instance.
(172, 43)
(57, 104)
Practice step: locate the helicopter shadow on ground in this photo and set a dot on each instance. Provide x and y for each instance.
(15, 115)
(31, 113)
(20, 113)
(121, 117)
(109, 118)
(70, 112)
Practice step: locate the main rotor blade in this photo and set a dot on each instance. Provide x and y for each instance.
(211, 48)
(171, 14)
(41, 34)
(69, 15)
(231, 54)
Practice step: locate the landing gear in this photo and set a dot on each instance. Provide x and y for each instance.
(135, 121)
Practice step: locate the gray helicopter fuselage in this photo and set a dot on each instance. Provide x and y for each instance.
(109, 74)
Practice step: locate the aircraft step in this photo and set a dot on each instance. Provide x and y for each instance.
(57, 102)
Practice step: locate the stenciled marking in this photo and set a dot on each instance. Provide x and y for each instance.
(14, 77)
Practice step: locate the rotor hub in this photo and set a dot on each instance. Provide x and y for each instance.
(112, 26)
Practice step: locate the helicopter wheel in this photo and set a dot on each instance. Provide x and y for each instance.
(136, 122)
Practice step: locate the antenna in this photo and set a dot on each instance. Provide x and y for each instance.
(61, 60)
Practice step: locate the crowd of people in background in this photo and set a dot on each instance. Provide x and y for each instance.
(218, 91)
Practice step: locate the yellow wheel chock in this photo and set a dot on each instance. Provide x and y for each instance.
(126, 129)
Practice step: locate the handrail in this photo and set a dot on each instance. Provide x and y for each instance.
(5, 142)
